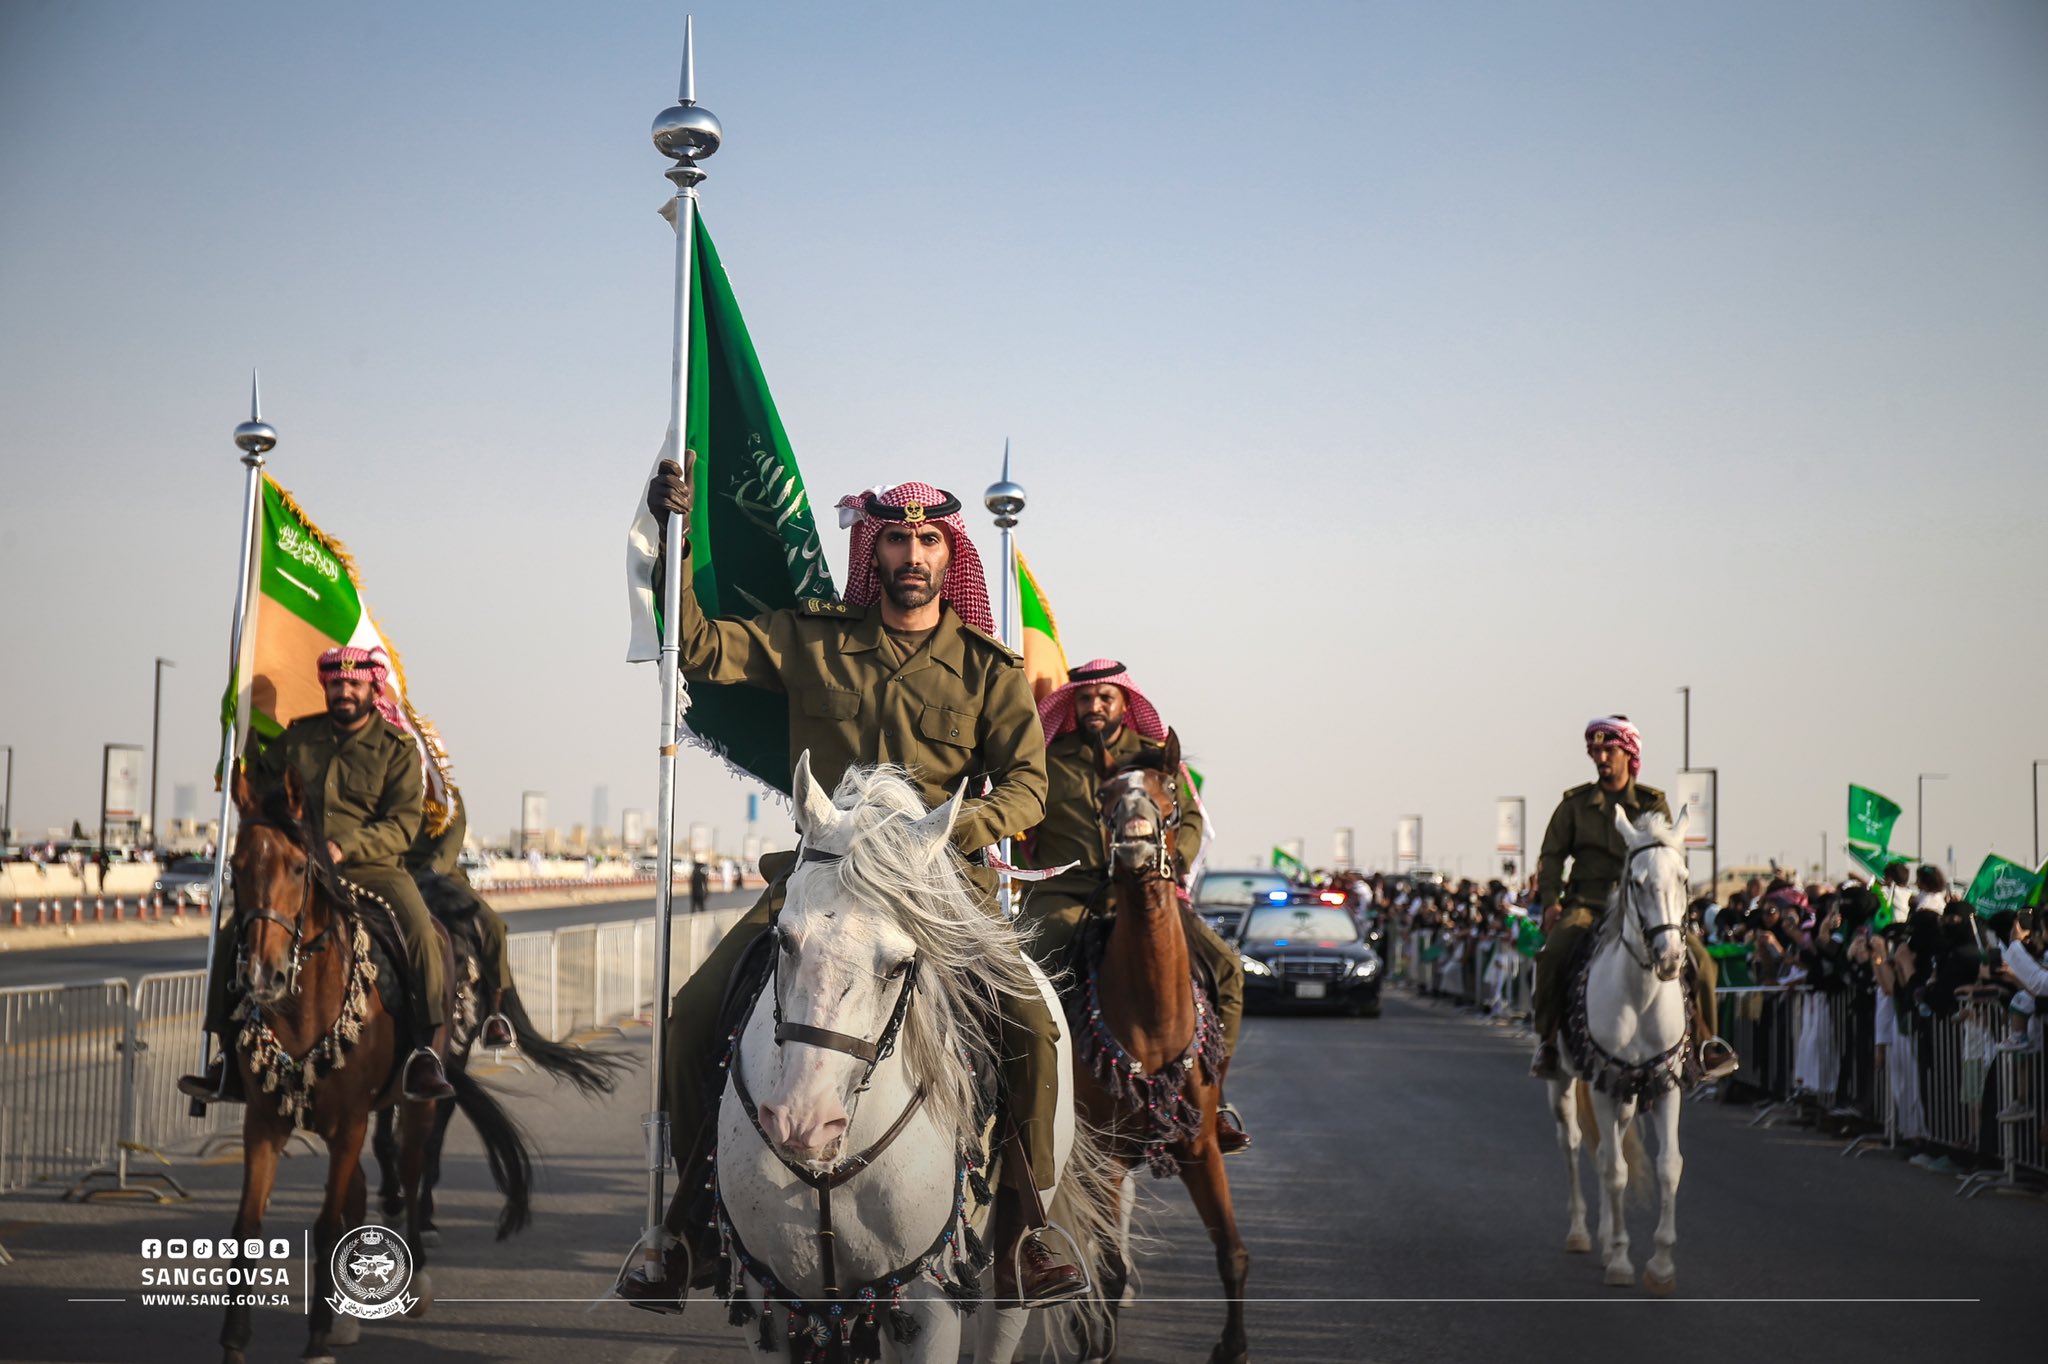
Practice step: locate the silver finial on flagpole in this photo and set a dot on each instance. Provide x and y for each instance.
(255, 437)
(683, 132)
(1004, 499)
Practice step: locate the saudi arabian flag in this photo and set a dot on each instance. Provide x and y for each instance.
(2002, 885)
(308, 599)
(1528, 934)
(1286, 861)
(1871, 817)
(1045, 661)
(753, 540)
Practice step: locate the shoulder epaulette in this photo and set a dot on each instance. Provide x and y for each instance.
(828, 609)
(983, 637)
(1573, 791)
(1649, 793)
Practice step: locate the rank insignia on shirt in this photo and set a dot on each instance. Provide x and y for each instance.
(824, 606)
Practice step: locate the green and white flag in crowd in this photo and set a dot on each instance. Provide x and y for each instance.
(1871, 817)
(1875, 860)
(753, 539)
(2001, 884)
(1286, 861)
(308, 600)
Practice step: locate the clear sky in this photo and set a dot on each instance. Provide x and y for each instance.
(1396, 385)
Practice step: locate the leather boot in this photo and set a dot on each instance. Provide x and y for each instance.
(424, 1078)
(222, 1083)
(1046, 1278)
(1230, 1134)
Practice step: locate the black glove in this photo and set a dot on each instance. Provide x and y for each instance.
(669, 489)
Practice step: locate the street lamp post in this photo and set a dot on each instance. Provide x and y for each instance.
(156, 726)
(2038, 764)
(7, 801)
(1920, 813)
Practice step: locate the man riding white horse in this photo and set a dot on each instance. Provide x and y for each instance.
(1101, 710)
(904, 670)
(1582, 832)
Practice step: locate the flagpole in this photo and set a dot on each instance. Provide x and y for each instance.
(686, 135)
(1006, 500)
(255, 438)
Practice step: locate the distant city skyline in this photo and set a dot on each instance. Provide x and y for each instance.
(1396, 386)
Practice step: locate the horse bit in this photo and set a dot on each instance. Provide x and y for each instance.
(1160, 861)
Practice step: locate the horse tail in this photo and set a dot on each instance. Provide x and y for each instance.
(1087, 1203)
(504, 1147)
(590, 1072)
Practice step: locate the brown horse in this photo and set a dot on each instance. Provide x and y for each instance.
(317, 1049)
(1149, 1059)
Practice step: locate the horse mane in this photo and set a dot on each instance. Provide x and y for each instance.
(1146, 760)
(968, 960)
(308, 833)
(1659, 827)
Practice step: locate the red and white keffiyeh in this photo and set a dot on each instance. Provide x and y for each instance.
(1056, 711)
(965, 587)
(1617, 729)
(346, 659)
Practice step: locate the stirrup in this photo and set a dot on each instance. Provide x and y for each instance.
(405, 1090)
(656, 1295)
(511, 1042)
(1083, 1285)
(1710, 1073)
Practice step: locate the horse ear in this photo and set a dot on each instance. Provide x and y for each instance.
(1172, 750)
(1628, 830)
(294, 793)
(813, 807)
(244, 794)
(937, 827)
(1678, 825)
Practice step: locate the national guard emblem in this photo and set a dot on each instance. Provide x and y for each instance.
(371, 1269)
(913, 513)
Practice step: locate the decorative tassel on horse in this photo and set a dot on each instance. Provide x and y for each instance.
(292, 1078)
(1170, 1114)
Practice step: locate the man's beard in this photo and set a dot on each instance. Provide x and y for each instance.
(909, 593)
(1102, 727)
(347, 710)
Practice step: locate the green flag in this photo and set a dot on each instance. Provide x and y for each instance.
(753, 540)
(1528, 934)
(1196, 778)
(2001, 885)
(1286, 861)
(1875, 860)
(1871, 817)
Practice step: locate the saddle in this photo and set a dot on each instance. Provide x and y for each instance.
(396, 984)
(1085, 949)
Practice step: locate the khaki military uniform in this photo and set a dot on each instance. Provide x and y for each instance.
(956, 709)
(1582, 831)
(368, 792)
(1072, 832)
(441, 855)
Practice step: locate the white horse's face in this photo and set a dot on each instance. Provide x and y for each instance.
(841, 967)
(1654, 890)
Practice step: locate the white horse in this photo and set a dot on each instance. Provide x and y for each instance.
(850, 1173)
(1630, 1051)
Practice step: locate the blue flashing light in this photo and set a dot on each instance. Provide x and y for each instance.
(1278, 897)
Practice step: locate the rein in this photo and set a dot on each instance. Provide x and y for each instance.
(302, 947)
(1630, 906)
(1159, 861)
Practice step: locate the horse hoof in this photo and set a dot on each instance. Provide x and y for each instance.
(345, 1331)
(423, 1287)
(1578, 1243)
(1660, 1287)
(1620, 1276)
(430, 1238)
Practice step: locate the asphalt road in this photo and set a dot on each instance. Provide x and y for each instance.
(1403, 1201)
(131, 960)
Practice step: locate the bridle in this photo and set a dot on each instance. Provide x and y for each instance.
(302, 946)
(1632, 906)
(871, 1053)
(1159, 860)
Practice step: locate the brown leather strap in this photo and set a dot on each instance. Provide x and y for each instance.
(858, 1047)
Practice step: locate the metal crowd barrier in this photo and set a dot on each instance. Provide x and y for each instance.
(88, 1072)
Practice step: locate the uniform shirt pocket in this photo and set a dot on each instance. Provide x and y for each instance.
(944, 726)
(831, 703)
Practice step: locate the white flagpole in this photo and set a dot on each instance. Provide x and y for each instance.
(1006, 501)
(255, 438)
(685, 134)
